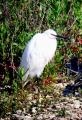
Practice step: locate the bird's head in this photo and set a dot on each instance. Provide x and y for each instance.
(52, 34)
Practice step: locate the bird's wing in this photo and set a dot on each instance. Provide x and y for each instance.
(41, 49)
(38, 52)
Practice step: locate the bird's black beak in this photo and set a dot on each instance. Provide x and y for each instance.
(62, 37)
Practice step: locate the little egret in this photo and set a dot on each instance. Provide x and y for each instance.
(38, 53)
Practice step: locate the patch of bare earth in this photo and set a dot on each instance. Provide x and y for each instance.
(49, 104)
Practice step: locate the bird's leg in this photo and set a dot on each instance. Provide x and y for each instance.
(37, 80)
(25, 80)
(29, 83)
(37, 84)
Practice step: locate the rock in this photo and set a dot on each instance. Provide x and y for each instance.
(17, 117)
(30, 97)
(81, 100)
(34, 101)
(77, 94)
(74, 116)
(61, 85)
(49, 109)
(76, 103)
(61, 118)
(24, 111)
(18, 112)
(40, 117)
(58, 106)
(21, 117)
(45, 116)
(70, 105)
(34, 110)
(66, 99)
(7, 118)
(40, 99)
(28, 118)
(52, 116)
(48, 96)
(68, 112)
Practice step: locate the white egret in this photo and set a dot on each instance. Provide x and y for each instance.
(38, 53)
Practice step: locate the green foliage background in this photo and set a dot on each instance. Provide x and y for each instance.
(20, 20)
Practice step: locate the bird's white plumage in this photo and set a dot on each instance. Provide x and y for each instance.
(38, 52)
